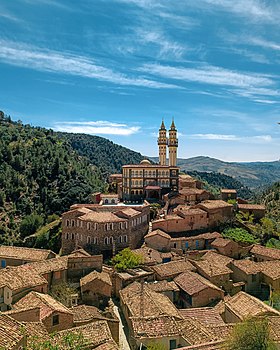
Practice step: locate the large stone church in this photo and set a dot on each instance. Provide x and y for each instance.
(152, 181)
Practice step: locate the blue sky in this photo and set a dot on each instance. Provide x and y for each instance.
(115, 68)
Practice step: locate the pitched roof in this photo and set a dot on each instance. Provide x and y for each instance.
(144, 302)
(10, 332)
(150, 255)
(248, 266)
(192, 283)
(154, 327)
(158, 232)
(205, 315)
(24, 253)
(80, 252)
(101, 217)
(213, 204)
(20, 278)
(217, 258)
(86, 313)
(211, 268)
(221, 242)
(172, 268)
(163, 286)
(245, 305)
(270, 268)
(95, 275)
(45, 302)
(36, 332)
(250, 207)
(271, 253)
(228, 190)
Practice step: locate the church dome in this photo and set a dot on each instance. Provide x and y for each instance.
(145, 161)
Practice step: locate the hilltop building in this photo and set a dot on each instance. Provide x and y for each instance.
(152, 181)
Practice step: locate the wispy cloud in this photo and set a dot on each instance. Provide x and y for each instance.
(210, 75)
(245, 139)
(98, 127)
(64, 63)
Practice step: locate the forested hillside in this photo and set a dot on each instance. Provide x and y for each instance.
(108, 156)
(214, 182)
(271, 198)
(40, 174)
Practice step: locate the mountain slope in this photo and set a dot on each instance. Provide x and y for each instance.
(253, 174)
(271, 199)
(105, 154)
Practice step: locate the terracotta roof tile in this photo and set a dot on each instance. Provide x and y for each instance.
(158, 232)
(163, 286)
(154, 327)
(247, 266)
(193, 283)
(217, 258)
(104, 216)
(10, 332)
(24, 253)
(45, 302)
(172, 268)
(250, 207)
(271, 253)
(211, 268)
(86, 313)
(205, 315)
(95, 275)
(221, 242)
(212, 204)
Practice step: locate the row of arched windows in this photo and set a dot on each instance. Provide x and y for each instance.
(94, 226)
(94, 240)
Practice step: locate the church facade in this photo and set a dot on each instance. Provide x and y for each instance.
(152, 181)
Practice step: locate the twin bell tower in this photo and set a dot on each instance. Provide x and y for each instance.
(171, 142)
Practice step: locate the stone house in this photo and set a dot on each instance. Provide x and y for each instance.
(104, 228)
(261, 253)
(249, 272)
(158, 240)
(226, 247)
(182, 220)
(196, 291)
(189, 196)
(187, 181)
(123, 279)
(168, 288)
(96, 288)
(14, 256)
(270, 273)
(242, 305)
(150, 256)
(228, 194)
(256, 209)
(168, 271)
(54, 315)
(218, 211)
(198, 242)
(85, 314)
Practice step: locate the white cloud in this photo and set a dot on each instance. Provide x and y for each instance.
(245, 139)
(65, 63)
(209, 75)
(99, 127)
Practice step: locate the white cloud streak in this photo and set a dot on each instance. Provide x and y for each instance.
(60, 62)
(245, 139)
(99, 127)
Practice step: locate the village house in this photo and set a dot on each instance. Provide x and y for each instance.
(189, 196)
(105, 229)
(247, 271)
(54, 315)
(261, 253)
(183, 219)
(196, 291)
(187, 181)
(168, 288)
(96, 288)
(158, 240)
(85, 314)
(168, 271)
(270, 274)
(205, 315)
(242, 305)
(123, 279)
(149, 255)
(198, 242)
(218, 211)
(228, 194)
(226, 247)
(252, 209)
(14, 256)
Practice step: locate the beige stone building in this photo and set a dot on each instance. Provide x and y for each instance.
(101, 228)
(152, 181)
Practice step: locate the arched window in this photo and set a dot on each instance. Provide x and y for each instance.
(136, 192)
(95, 226)
(72, 223)
(106, 240)
(132, 192)
(111, 240)
(73, 236)
(67, 223)
(120, 239)
(113, 201)
(125, 239)
(88, 225)
(66, 236)
(88, 239)
(106, 201)
(95, 240)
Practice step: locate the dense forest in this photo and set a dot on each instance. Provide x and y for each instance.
(105, 154)
(271, 198)
(215, 181)
(40, 174)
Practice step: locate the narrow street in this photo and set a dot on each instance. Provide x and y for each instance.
(123, 343)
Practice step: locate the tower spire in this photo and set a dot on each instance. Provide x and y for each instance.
(162, 144)
(173, 144)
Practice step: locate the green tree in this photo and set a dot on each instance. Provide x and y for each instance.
(156, 346)
(70, 341)
(63, 292)
(126, 259)
(239, 235)
(252, 334)
(30, 224)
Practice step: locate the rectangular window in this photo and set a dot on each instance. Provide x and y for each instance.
(172, 344)
(3, 263)
(55, 320)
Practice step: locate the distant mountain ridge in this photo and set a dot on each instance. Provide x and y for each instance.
(251, 174)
